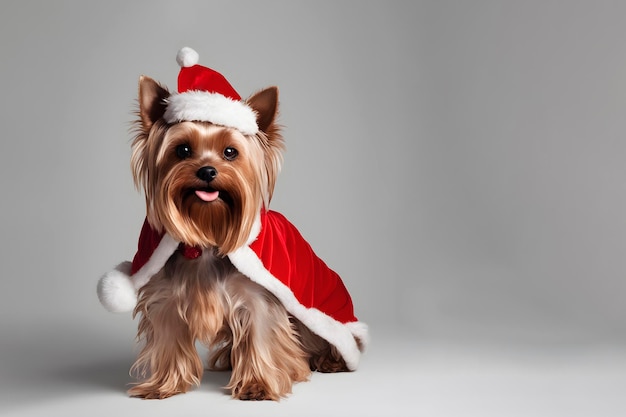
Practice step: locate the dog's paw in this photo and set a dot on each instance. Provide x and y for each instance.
(253, 391)
(151, 392)
(328, 363)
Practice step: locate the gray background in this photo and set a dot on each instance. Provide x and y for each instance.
(460, 164)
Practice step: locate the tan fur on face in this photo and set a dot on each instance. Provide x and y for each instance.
(224, 223)
(168, 181)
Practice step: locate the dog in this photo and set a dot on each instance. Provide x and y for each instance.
(214, 264)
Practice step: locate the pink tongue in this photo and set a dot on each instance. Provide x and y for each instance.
(207, 196)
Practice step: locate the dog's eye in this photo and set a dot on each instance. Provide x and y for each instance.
(183, 151)
(230, 153)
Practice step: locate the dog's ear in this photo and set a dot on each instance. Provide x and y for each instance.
(265, 104)
(151, 101)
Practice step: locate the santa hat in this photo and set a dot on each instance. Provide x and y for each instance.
(205, 95)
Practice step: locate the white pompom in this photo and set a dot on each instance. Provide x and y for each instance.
(116, 290)
(187, 57)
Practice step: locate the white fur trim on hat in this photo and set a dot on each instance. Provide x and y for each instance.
(211, 107)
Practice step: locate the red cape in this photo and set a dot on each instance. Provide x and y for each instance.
(289, 258)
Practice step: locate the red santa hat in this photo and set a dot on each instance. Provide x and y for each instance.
(205, 95)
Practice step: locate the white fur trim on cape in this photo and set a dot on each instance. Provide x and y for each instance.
(117, 290)
(211, 107)
(338, 334)
(167, 246)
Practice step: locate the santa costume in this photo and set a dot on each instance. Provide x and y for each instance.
(276, 255)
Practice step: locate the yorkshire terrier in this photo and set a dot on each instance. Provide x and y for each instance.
(214, 264)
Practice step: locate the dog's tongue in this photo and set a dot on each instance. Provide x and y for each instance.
(207, 196)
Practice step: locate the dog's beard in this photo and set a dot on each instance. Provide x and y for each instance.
(220, 214)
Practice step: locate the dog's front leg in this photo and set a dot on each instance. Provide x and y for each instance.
(266, 355)
(168, 363)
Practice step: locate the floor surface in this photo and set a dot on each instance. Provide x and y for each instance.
(77, 371)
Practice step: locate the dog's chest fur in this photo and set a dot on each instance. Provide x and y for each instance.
(209, 295)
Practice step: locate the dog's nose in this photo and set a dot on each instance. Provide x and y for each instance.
(207, 174)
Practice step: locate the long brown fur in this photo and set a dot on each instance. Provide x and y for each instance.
(206, 299)
(242, 323)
